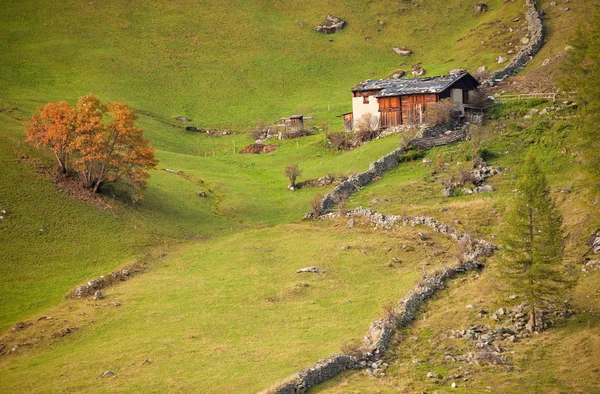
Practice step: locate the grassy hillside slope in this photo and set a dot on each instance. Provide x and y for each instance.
(552, 361)
(222, 64)
(229, 314)
(222, 309)
(228, 63)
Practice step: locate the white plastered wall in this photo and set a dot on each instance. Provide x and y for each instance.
(359, 108)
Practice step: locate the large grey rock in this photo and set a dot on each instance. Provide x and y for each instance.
(332, 24)
(417, 70)
(484, 189)
(404, 51)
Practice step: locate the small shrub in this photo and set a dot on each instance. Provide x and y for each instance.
(316, 207)
(408, 136)
(340, 140)
(389, 312)
(479, 97)
(464, 178)
(481, 74)
(353, 349)
(289, 134)
(439, 112)
(477, 135)
(465, 246)
(366, 128)
(340, 202)
(411, 155)
(292, 172)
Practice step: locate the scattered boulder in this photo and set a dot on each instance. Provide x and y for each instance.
(183, 119)
(196, 129)
(312, 270)
(332, 25)
(457, 71)
(480, 8)
(417, 70)
(18, 326)
(501, 59)
(398, 74)
(404, 51)
(484, 189)
(501, 311)
(525, 40)
(98, 295)
(350, 223)
(106, 374)
(448, 191)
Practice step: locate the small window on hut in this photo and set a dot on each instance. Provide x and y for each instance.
(366, 100)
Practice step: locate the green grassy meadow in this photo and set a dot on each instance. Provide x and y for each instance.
(220, 307)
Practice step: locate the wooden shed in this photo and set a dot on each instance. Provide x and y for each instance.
(404, 100)
(348, 121)
(293, 123)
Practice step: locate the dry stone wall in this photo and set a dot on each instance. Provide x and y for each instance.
(380, 334)
(427, 138)
(526, 53)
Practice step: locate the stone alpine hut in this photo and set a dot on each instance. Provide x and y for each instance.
(401, 101)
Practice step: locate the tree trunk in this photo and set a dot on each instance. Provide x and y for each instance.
(97, 187)
(532, 317)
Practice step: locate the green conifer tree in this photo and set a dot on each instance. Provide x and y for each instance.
(533, 239)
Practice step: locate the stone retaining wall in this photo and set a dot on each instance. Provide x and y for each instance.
(526, 53)
(427, 138)
(381, 332)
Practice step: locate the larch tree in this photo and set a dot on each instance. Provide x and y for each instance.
(533, 239)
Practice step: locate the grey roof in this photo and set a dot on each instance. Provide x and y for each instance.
(405, 86)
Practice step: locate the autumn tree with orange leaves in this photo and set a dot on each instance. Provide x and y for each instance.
(100, 143)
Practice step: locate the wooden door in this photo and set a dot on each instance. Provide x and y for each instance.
(390, 111)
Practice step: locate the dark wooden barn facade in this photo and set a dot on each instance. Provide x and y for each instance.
(405, 100)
